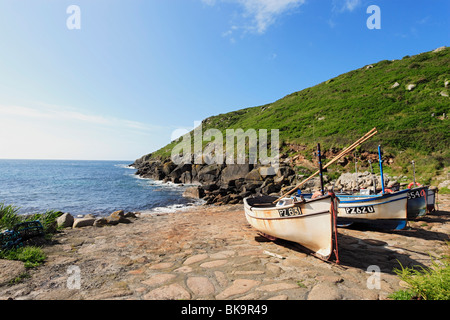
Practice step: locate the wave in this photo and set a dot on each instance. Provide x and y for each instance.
(124, 166)
(174, 208)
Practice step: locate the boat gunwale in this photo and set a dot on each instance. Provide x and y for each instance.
(290, 217)
(367, 200)
(295, 204)
(370, 196)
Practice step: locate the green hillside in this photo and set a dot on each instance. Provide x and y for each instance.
(407, 100)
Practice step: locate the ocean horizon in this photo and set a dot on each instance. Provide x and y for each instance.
(81, 187)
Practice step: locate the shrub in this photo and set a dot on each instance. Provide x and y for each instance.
(8, 216)
(31, 256)
(427, 283)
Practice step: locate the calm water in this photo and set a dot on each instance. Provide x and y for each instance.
(81, 187)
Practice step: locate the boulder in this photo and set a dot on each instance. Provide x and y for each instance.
(196, 192)
(251, 187)
(131, 214)
(100, 222)
(177, 173)
(269, 188)
(117, 217)
(211, 187)
(439, 49)
(65, 221)
(168, 167)
(83, 222)
(186, 177)
(410, 87)
(253, 175)
(209, 173)
(285, 172)
(233, 172)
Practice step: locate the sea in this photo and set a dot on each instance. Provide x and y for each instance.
(85, 187)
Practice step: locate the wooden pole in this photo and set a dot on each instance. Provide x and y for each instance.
(361, 140)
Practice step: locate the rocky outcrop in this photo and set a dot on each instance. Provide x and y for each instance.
(230, 184)
(363, 180)
(223, 184)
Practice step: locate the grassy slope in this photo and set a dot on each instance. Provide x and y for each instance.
(340, 110)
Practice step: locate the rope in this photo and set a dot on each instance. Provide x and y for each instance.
(333, 210)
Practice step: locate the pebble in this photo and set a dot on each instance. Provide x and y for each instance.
(200, 286)
(239, 286)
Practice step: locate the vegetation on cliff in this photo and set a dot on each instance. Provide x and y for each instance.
(407, 100)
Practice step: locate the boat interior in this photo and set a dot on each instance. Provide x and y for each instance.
(268, 201)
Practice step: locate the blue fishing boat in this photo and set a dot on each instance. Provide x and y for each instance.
(417, 202)
(387, 210)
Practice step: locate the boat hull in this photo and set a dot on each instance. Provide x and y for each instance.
(431, 198)
(387, 211)
(417, 202)
(309, 223)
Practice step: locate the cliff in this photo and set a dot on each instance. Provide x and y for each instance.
(407, 100)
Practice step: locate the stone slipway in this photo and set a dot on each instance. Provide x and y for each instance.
(212, 253)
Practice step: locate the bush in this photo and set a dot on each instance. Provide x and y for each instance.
(427, 283)
(31, 256)
(8, 216)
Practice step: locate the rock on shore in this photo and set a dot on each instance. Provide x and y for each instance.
(66, 220)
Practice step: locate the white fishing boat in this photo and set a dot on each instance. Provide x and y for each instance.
(310, 223)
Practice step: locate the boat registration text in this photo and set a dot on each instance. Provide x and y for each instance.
(289, 212)
(416, 194)
(360, 210)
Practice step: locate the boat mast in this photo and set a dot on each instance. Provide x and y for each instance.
(320, 168)
(381, 168)
(414, 173)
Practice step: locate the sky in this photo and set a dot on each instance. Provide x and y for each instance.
(115, 79)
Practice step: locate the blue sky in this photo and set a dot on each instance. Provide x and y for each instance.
(136, 71)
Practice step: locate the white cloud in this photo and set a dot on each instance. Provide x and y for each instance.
(260, 13)
(345, 5)
(265, 12)
(46, 111)
(43, 131)
(350, 5)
